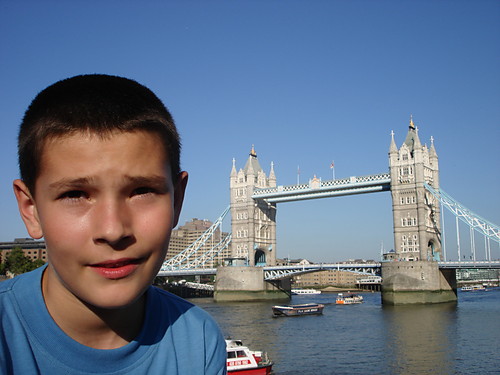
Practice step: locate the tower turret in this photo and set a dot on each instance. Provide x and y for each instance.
(415, 211)
(234, 174)
(272, 176)
(253, 222)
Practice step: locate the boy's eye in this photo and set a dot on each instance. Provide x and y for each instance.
(73, 194)
(143, 190)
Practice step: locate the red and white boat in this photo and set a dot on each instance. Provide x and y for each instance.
(243, 361)
(348, 299)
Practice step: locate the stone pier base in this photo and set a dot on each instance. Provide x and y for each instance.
(417, 282)
(244, 284)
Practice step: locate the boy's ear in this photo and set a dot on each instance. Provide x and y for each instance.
(179, 190)
(27, 209)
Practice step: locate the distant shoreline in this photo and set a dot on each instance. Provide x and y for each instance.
(333, 289)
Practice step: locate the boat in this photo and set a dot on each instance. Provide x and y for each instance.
(297, 310)
(305, 291)
(348, 299)
(472, 288)
(243, 361)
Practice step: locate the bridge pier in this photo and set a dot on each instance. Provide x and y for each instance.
(245, 284)
(417, 282)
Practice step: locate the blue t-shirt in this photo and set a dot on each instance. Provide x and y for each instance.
(176, 338)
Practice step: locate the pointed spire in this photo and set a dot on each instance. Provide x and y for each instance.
(432, 151)
(233, 170)
(393, 147)
(272, 176)
(252, 152)
(418, 144)
(249, 166)
(252, 166)
(412, 125)
(412, 140)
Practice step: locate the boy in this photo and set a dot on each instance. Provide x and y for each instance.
(101, 182)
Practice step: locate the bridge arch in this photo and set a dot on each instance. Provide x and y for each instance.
(434, 250)
(260, 258)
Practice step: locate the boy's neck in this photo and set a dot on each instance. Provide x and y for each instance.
(91, 326)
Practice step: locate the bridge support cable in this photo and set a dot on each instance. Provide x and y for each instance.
(191, 256)
(209, 255)
(474, 221)
(443, 236)
(458, 237)
(472, 243)
(487, 247)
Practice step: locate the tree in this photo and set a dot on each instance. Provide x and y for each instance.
(17, 263)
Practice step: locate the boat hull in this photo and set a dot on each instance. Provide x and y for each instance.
(298, 310)
(297, 292)
(241, 360)
(473, 288)
(263, 370)
(344, 302)
(349, 299)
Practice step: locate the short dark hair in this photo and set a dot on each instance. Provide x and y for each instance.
(94, 103)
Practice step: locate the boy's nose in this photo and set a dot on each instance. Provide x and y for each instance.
(112, 225)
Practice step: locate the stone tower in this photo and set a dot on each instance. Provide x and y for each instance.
(416, 213)
(253, 222)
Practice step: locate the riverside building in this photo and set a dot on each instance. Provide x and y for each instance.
(31, 248)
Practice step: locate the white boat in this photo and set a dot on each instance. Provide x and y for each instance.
(305, 291)
(472, 288)
(243, 361)
(348, 299)
(298, 310)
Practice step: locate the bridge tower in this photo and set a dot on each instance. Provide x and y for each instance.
(253, 222)
(415, 277)
(416, 213)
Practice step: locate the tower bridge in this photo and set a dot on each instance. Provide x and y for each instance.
(411, 274)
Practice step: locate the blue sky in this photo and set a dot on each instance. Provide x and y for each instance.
(306, 82)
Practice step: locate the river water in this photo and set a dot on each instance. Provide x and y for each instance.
(369, 338)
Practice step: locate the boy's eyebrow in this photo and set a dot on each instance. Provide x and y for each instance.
(65, 182)
(154, 181)
(159, 182)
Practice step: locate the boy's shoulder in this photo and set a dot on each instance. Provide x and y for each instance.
(6, 285)
(170, 321)
(21, 296)
(22, 281)
(171, 312)
(166, 301)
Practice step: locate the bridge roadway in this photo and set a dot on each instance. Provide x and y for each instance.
(280, 272)
(322, 189)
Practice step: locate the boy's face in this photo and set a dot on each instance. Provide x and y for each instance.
(106, 208)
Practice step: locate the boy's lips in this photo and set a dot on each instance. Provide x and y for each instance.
(116, 269)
